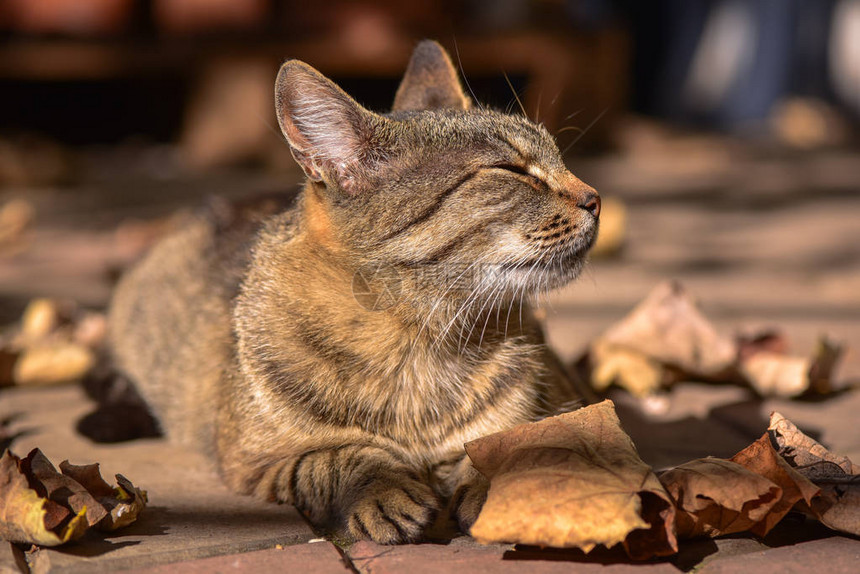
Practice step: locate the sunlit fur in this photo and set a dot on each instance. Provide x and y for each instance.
(244, 335)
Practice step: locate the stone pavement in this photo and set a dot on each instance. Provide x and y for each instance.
(758, 238)
(194, 524)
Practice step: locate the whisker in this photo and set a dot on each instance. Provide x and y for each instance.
(514, 92)
(585, 131)
(569, 128)
(463, 73)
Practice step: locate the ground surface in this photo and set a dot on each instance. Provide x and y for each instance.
(758, 238)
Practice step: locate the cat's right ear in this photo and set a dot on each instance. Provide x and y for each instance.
(329, 133)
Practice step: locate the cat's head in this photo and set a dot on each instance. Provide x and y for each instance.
(439, 188)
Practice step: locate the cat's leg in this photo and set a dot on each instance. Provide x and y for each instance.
(362, 488)
(469, 493)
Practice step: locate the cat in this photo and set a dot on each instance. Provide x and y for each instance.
(249, 332)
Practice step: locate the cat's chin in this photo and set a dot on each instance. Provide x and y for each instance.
(542, 277)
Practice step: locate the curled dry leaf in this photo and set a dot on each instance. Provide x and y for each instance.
(838, 503)
(122, 503)
(53, 363)
(28, 517)
(664, 334)
(55, 342)
(773, 373)
(666, 339)
(574, 480)
(39, 505)
(717, 497)
(761, 458)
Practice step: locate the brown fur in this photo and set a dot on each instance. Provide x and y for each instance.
(244, 335)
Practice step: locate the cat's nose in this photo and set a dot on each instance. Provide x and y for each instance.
(591, 203)
(580, 195)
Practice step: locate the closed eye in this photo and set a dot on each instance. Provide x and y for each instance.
(521, 171)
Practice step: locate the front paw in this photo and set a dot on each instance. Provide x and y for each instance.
(467, 502)
(393, 512)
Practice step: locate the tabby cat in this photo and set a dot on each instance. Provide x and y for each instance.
(246, 335)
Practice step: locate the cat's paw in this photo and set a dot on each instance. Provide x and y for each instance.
(393, 513)
(467, 502)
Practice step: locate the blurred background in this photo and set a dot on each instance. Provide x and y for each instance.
(722, 133)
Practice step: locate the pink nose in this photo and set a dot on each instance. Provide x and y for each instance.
(590, 202)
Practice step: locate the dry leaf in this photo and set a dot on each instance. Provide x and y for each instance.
(717, 497)
(668, 326)
(574, 480)
(122, 503)
(773, 373)
(27, 517)
(53, 363)
(65, 491)
(40, 318)
(762, 459)
(838, 504)
(39, 505)
(630, 369)
(664, 333)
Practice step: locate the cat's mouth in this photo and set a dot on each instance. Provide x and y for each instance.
(571, 251)
(553, 267)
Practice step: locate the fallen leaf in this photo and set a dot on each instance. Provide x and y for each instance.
(58, 488)
(773, 373)
(39, 505)
(632, 370)
(40, 318)
(716, 497)
(574, 480)
(27, 517)
(122, 503)
(664, 334)
(762, 459)
(669, 327)
(807, 455)
(838, 504)
(53, 363)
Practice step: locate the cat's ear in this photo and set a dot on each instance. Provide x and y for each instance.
(329, 133)
(430, 81)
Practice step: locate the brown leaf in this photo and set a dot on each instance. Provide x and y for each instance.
(717, 497)
(808, 456)
(40, 506)
(125, 506)
(629, 369)
(773, 373)
(123, 503)
(574, 480)
(65, 491)
(666, 332)
(838, 504)
(27, 517)
(53, 363)
(762, 459)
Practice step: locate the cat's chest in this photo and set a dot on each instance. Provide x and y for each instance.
(432, 403)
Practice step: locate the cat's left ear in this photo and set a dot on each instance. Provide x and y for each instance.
(331, 136)
(430, 82)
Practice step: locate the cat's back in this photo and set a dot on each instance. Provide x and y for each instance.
(169, 320)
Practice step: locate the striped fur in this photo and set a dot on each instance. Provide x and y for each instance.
(244, 334)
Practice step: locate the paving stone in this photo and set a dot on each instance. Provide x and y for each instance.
(316, 558)
(465, 555)
(191, 514)
(829, 555)
(11, 559)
